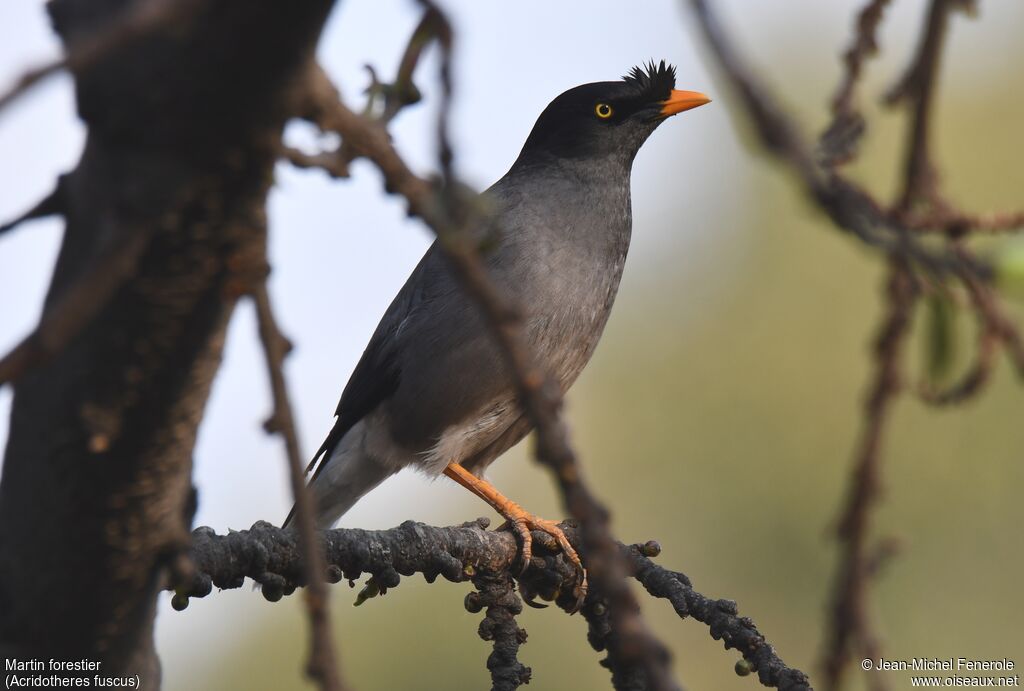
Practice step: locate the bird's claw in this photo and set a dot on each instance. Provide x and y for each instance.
(524, 524)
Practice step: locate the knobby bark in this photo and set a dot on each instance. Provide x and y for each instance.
(489, 559)
(165, 230)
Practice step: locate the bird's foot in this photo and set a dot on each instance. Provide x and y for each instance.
(523, 523)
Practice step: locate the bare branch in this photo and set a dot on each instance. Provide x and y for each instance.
(722, 616)
(271, 556)
(848, 205)
(50, 205)
(76, 307)
(839, 142)
(322, 665)
(893, 231)
(958, 224)
(864, 45)
(397, 95)
(918, 86)
(850, 625)
(334, 163)
(138, 20)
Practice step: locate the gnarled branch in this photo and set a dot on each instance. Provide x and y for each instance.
(469, 552)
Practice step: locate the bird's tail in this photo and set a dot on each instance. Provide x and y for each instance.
(345, 473)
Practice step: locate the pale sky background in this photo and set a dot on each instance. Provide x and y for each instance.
(341, 250)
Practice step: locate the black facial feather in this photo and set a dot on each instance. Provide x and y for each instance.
(570, 127)
(654, 84)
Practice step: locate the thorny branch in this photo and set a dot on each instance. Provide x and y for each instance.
(487, 558)
(920, 207)
(322, 665)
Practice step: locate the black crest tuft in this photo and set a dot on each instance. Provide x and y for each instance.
(652, 82)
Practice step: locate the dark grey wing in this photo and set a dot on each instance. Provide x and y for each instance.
(377, 374)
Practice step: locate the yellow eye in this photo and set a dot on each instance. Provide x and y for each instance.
(603, 111)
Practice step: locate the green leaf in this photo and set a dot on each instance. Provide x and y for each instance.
(1008, 263)
(940, 338)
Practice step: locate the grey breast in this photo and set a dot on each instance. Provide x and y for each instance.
(563, 239)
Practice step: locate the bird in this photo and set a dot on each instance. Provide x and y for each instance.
(432, 390)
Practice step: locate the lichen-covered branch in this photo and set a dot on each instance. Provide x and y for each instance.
(77, 307)
(721, 616)
(496, 595)
(469, 552)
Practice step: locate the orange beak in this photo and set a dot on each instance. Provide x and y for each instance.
(678, 101)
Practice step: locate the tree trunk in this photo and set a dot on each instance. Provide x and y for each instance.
(96, 498)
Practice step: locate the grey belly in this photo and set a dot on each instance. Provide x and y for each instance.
(563, 340)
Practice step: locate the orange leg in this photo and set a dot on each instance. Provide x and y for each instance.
(521, 520)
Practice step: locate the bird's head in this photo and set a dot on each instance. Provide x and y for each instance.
(609, 119)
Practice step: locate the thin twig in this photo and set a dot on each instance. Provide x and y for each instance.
(137, 20)
(848, 205)
(50, 205)
(892, 231)
(442, 30)
(399, 94)
(322, 665)
(864, 45)
(850, 627)
(76, 307)
(986, 304)
(920, 184)
(332, 162)
(850, 624)
(838, 143)
(721, 616)
(958, 224)
(402, 91)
